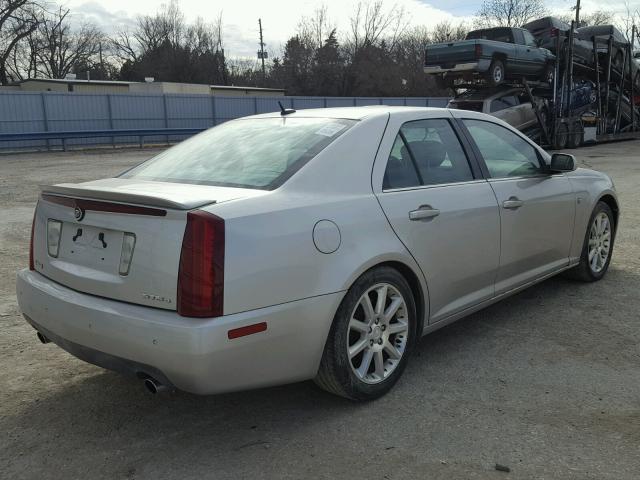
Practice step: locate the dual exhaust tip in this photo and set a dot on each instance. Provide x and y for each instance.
(151, 384)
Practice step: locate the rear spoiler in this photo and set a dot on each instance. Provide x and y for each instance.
(119, 196)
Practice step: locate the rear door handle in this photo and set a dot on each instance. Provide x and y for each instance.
(424, 212)
(512, 204)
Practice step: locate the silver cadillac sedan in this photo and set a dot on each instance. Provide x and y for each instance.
(318, 244)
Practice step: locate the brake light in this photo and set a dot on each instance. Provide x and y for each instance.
(201, 274)
(478, 50)
(32, 265)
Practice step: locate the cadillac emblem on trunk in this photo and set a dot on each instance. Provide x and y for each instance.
(78, 213)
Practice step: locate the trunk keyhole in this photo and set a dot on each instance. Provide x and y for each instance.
(101, 238)
(78, 234)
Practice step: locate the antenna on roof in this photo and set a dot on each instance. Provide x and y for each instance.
(285, 111)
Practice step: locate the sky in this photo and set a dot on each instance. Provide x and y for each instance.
(281, 17)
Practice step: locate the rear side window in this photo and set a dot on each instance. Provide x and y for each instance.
(426, 152)
(505, 153)
(250, 153)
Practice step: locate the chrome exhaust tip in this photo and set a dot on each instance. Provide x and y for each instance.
(153, 386)
(42, 338)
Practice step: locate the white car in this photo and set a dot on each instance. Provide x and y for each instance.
(317, 244)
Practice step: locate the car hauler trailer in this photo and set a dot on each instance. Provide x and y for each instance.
(612, 81)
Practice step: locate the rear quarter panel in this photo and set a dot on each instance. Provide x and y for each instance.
(270, 255)
(589, 186)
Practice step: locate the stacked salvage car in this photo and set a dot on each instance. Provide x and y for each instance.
(489, 69)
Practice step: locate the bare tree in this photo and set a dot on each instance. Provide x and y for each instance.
(371, 23)
(18, 20)
(509, 13)
(315, 29)
(167, 25)
(446, 31)
(631, 18)
(61, 48)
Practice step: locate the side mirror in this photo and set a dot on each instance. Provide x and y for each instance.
(562, 162)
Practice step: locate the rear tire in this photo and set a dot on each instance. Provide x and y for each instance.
(599, 238)
(496, 73)
(369, 343)
(560, 140)
(574, 140)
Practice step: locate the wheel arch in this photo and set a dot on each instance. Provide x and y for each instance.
(416, 282)
(613, 205)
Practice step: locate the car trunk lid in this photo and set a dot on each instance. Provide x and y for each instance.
(102, 223)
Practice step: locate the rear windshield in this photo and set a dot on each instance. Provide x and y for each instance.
(497, 34)
(249, 153)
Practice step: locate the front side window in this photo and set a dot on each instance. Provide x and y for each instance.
(505, 153)
(426, 152)
(246, 153)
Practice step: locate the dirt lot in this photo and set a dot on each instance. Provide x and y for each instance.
(546, 382)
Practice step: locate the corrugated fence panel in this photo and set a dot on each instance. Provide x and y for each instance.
(364, 101)
(22, 113)
(308, 102)
(61, 111)
(340, 102)
(67, 113)
(228, 108)
(437, 102)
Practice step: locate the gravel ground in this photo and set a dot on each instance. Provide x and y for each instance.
(546, 383)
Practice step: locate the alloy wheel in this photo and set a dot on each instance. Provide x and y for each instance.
(378, 331)
(599, 242)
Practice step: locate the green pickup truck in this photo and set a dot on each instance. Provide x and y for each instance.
(497, 54)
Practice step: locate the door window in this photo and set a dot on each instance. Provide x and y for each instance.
(426, 152)
(505, 153)
(528, 39)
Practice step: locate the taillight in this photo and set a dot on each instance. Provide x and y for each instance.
(201, 275)
(478, 50)
(32, 265)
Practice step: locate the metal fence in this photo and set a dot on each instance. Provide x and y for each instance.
(24, 112)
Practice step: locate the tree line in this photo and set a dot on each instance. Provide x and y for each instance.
(377, 54)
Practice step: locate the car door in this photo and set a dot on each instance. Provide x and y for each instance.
(537, 208)
(530, 57)
(441, 209)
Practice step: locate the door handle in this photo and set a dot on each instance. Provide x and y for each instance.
(424, 212)
(512, 204)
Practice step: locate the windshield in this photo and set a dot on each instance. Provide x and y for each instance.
(249, 153)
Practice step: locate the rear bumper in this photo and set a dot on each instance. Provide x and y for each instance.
(481, 65)
(191, 354)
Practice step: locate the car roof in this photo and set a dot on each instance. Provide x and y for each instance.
(478, 95)
(352, 113)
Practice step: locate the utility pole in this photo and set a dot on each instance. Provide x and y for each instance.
(577, 13)
(261, 52)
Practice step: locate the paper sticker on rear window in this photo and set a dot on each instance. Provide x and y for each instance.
(330, 129)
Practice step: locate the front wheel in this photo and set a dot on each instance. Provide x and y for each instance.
(371, 337)
(598, 246)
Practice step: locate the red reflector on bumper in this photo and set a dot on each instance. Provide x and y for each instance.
(248, 330)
